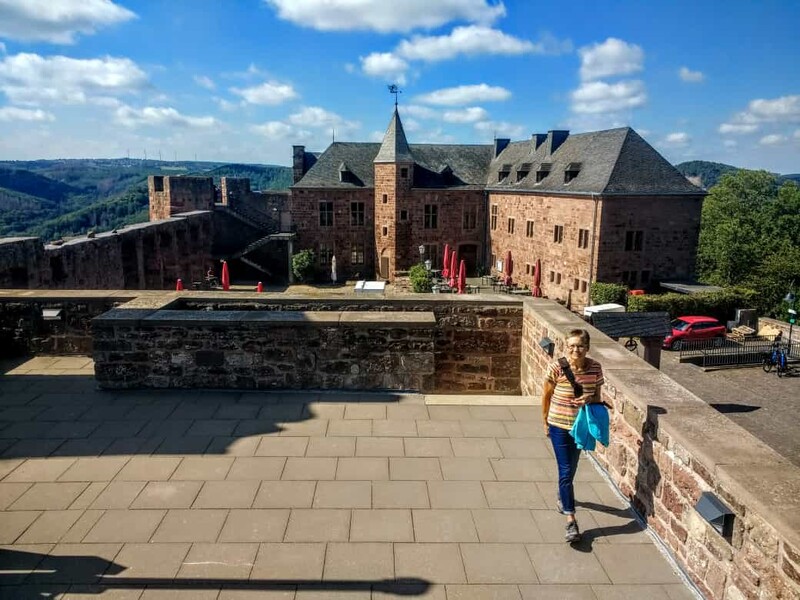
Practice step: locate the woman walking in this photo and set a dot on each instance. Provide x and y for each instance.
(569, 383)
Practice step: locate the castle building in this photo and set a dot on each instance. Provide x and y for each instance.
(599, 206)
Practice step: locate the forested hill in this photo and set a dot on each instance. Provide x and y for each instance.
(56, 198)
(707, 174)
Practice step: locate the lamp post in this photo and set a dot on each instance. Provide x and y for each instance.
(790, 298)
(421, 253)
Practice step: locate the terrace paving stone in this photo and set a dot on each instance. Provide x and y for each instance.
(284, 495)
(378, 446)
(189, 525)
(125, 526)
(218, 561)
(227, 494)
(359, 562)
(382, 525)
(296, 561)
(49, 496)
(167, 494)
(255, 525)
(362, 469)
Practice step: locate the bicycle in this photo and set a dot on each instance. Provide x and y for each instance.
(776, 358)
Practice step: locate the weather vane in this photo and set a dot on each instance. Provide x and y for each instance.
(393, 89)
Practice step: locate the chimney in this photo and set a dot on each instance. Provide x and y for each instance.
(500, 144)
(298, 163)
(555, 137)
(537, 139)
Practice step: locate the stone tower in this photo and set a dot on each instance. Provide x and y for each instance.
(394, 177)
(174, 195)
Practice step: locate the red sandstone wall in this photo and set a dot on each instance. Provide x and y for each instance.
(305, 213)
(671, 227)
(565, 258)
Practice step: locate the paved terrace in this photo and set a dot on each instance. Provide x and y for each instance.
(308, 496)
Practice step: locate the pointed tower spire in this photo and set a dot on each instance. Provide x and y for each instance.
(394, 148)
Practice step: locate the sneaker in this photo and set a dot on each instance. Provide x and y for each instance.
(559, 508)
(573, 534)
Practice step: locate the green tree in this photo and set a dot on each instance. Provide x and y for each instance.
(303, 265)
(750, 235)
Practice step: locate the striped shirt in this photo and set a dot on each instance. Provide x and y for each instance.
(563, 408)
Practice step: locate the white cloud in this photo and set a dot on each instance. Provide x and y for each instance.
(737, 128)
(421, 112)
(205, 82)
(785, 108)
(278, 130)
(435, 136)
(160, 116)
(730, 143)
(471, 114)
(13, 113)
(270, 93)
(689, 76)
(465, 94)
(500, 128)
(316, 117)
(225, 105)
(2, 48)
(411, 125)
(772, 140)
(57, 21)
(385, 65)
(382, 16)
(601, 97)
(472, 40)
(34, 79)
(612, 57)
(678, 138)
(796, 134)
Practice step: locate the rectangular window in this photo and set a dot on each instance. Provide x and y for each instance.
(432, 254)
(325, 255)
(404, 172)
(552, 276)
(583, 239)
(326, 214)
(357, 214)
(633, 240)
(527, 269)
(558, 234)
(558, 278)
(576, 284)
(431, 217)
(629, 278)
(470, 218)
(385, 198)
(404, 215)
(357, 253)
(158, 184)
(494, 216)
(385, 230)
(529, 229)
(584, 286)
(511, 224)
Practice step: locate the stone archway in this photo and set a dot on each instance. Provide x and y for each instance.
(469, 254)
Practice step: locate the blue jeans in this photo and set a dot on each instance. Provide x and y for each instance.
(567, 455)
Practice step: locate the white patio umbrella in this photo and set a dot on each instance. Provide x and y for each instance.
(333, 269)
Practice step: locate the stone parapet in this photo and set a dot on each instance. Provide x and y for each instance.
(667, 447)
(474, 342)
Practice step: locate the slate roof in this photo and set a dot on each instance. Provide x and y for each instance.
(394, 148)
(633, 324)
(468, 165)
(613, 161)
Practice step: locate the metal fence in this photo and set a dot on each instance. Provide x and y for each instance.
(730, 352)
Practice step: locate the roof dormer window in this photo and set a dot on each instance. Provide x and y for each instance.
(345, 175)
(505, 171)
(543, 171)
(523, 170)
(572, 171)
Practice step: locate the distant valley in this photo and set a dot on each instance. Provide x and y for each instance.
(52, 199)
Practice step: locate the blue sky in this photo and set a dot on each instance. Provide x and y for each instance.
(243, 80)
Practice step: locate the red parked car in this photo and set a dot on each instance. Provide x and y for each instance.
(686, 329)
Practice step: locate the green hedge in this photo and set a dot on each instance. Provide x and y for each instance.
(303, 265)
(721, 305)
(608, 293)
(420, 278)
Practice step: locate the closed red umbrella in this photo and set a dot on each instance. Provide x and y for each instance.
(537, 279)
(509, 268)
(453, 269)
(226, 276)
(462, 277)
(445, 269)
